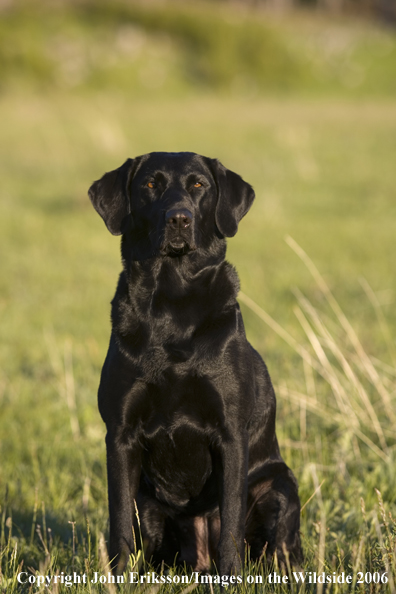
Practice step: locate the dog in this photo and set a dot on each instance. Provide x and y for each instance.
(188, 403)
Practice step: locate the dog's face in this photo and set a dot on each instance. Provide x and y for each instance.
(171, 203)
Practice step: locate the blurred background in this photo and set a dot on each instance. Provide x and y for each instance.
(297, 96)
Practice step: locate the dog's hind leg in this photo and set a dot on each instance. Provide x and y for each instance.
(273, 514)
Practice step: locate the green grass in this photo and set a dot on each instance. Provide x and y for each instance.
(323, 174)
(184, 47)
(323, 170)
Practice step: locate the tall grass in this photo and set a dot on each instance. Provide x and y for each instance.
(362, 394)
(343, 423)
(351, 396)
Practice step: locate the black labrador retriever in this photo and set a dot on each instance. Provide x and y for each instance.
(188, 403)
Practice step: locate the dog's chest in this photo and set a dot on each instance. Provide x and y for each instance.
(176, 460)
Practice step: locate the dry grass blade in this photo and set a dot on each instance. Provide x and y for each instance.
(372, 445)
(385, 556)
(309, 380)
(313, 495)
(373, 374)
(347, 369)
(105, 563)
(55, 587)
(381, 318)
(358, 561)
(336, 386)
(310, 403)
(384, 367)
(304, 354)
(322, 531)
(63, 371)
(70, 391)
(261, 313)
(53, 352)
(327, 413)
(329, 377)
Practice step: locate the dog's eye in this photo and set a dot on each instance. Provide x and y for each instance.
(151, 184)
(197, 185)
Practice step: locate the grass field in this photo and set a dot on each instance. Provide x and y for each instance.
(324, 175)
(316, 259)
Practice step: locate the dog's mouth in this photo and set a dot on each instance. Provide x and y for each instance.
(177, 247)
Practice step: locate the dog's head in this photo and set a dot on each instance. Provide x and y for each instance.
(171, 203)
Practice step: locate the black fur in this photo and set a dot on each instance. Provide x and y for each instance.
(188, 403)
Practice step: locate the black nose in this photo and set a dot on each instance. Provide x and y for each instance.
(179, 218)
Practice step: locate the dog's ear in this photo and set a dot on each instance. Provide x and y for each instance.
(235, 197)
(110, 196)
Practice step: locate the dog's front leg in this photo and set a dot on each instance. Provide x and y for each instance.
(123, 473)
(233, 494)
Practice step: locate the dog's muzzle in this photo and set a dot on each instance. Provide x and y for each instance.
(178, 231)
